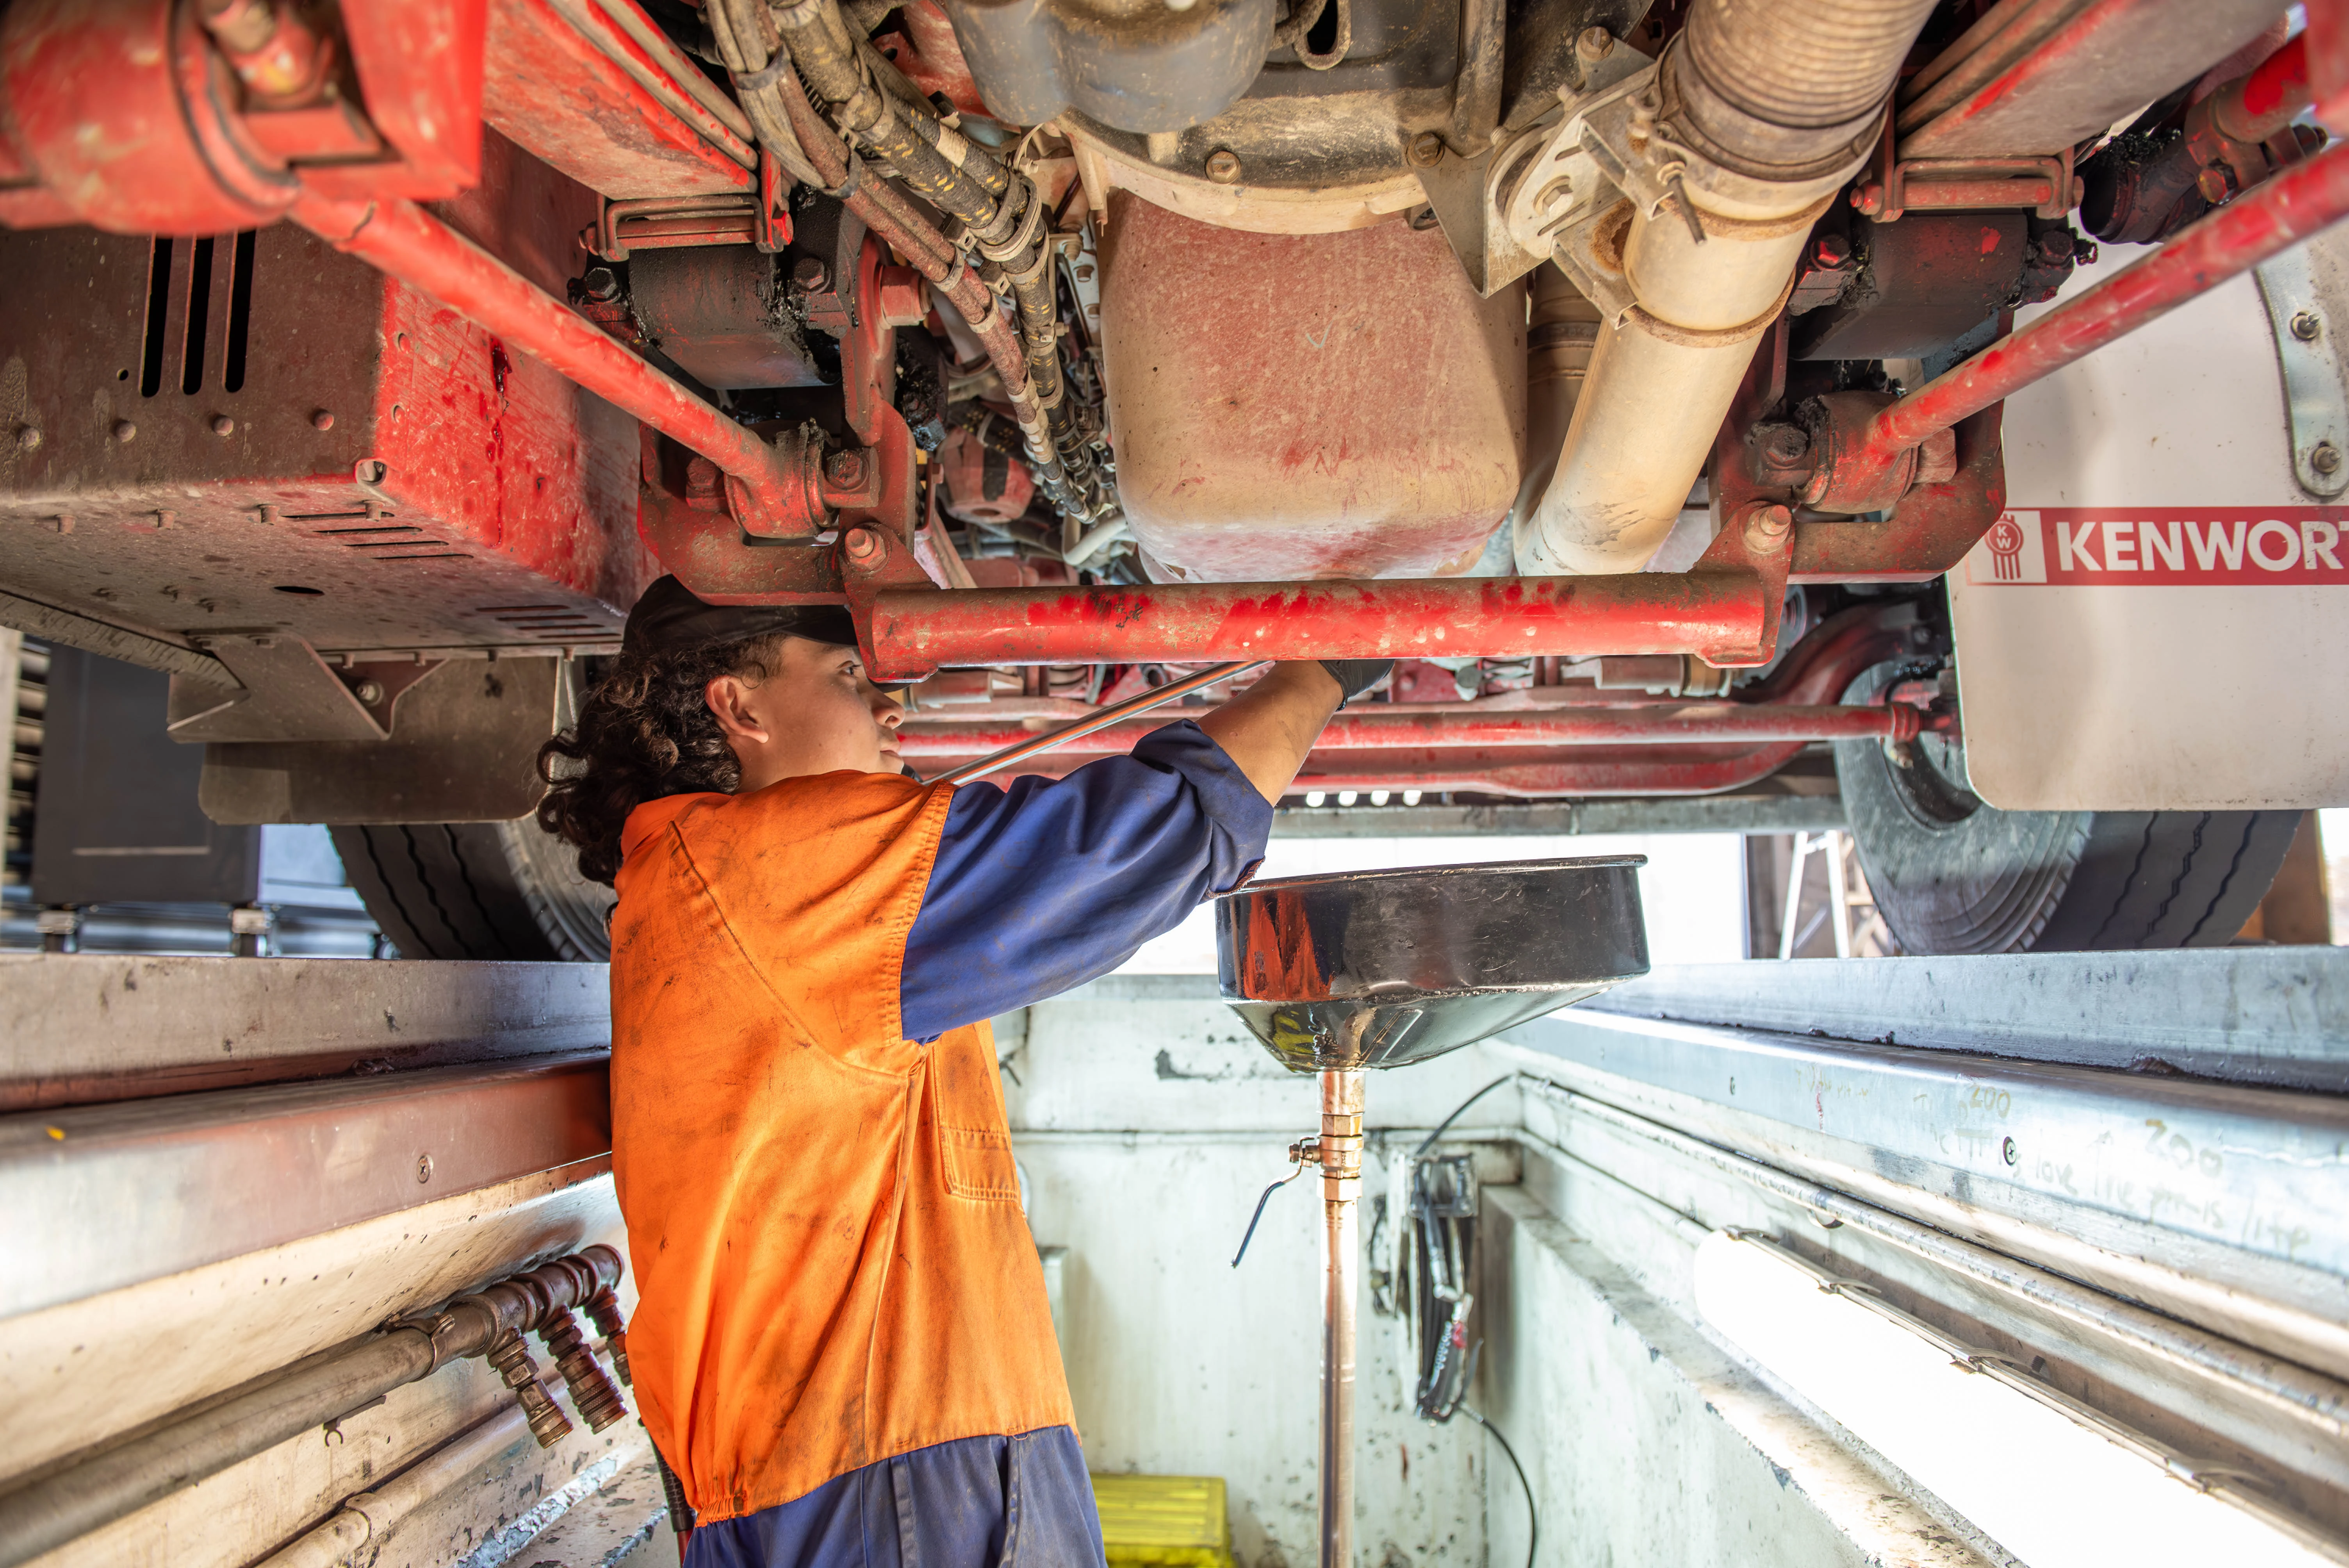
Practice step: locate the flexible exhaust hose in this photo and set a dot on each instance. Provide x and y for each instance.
(1766, 85)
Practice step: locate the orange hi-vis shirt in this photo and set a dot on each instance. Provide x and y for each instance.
(823, 1217)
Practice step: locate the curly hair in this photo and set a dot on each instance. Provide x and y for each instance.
(644, 731)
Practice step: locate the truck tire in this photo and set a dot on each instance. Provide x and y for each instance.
(1952, 874)
(477, 890)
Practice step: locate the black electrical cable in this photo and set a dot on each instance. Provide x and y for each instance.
(1429, 1142)
(1533, 1517)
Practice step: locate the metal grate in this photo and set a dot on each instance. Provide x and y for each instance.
(197, 301)
(548, 623)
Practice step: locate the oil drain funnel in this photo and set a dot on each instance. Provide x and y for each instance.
(1356, 970)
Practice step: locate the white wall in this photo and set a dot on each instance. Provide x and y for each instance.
(1692, 889)
(1147, 1128)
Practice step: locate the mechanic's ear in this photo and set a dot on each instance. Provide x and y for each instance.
(730, 702)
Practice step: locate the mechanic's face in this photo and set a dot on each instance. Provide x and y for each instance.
(817, 713)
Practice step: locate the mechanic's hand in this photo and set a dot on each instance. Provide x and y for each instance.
(1355, 677)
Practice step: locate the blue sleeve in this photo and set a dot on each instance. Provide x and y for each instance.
(1053, 882)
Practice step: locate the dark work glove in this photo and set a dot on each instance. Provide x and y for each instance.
(1355, 677)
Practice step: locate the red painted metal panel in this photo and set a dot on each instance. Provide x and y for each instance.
(2102, 65)
(931, 57)
(2328, 58)
(419, 65)
(552, 92)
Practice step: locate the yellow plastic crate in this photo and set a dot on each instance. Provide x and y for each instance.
(1164, 1520)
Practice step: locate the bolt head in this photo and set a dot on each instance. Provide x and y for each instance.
(1785, 446)
(845, 468)
(125, 431)
(323, 421)
(863, 546)
(810, 275)
(1593, 43)
(369, 692)
(1223, 166)
(424, 1168)
(1426, 150)
(1830, 251)
(2013, 1155)
(1767, 526)
(223, 425)
(30, 438)
(602, 284)
(2325, 458)
(2212, 184)
(2307, 326)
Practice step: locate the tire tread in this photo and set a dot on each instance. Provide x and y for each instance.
(2058, 881)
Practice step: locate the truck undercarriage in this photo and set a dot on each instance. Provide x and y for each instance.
(1913, 425)
(1632, 374)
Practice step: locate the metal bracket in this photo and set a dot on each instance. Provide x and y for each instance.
(2316, 399)
(465, 750)
(1488, 253)
(289, 695)
(2045, 185)
(1560, 176)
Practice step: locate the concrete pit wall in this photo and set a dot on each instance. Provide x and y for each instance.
(1146, 1121)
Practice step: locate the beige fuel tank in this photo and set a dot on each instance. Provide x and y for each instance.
(1290, 405)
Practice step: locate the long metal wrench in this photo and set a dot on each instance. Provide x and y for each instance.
(1171, 692)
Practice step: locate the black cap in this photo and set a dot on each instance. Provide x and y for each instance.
(670, 619)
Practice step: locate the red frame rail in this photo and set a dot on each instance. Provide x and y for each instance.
(1213, 622)
(1370, 729)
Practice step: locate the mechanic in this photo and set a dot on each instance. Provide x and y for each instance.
(840, 1344)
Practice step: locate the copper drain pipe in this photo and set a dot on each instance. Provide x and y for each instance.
(1339, 1149)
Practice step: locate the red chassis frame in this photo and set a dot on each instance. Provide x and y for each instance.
(188, 140)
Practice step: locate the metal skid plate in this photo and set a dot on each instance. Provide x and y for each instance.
(252, 435)
(463, 749)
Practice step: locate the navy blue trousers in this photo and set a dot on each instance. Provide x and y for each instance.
(977, 1502)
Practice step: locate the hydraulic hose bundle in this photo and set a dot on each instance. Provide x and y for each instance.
(770, 53)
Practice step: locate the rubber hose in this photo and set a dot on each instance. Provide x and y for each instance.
(825, 53)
